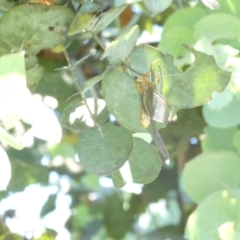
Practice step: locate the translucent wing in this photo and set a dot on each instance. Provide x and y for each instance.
(161, 109)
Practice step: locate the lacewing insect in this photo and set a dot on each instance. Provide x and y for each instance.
(153, 105)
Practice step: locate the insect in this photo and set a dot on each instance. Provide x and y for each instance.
(153, 105)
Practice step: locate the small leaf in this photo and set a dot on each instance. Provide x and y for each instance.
(143, 165)
(172, 40)
(5, 169)
(157, 6)
(223, 26)
(86, 22)
(76, 116)
(104, 151)
(184, 17)
(85, 19)
(210, 172)
(121, 47)
(226, 117)
(107, 17)
(33, 76)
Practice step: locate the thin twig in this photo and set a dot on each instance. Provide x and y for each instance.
(71, 68)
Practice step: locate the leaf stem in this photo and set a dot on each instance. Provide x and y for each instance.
(96, 38)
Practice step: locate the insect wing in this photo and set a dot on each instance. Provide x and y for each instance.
(161, 109)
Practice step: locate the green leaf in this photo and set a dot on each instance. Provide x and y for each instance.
(5, 169)
(107, 17)
(6, 5)
(217, 138)
(4, 135)
(85, 21)
(181, 90)
(236, 140)
(49, 205)
(174, 38)
(92, 81)
(121, 47)
(31, 61)
(194, 87)
(231, 8)
(218, 26)
(157, 6)
(33, 76)
(185, 17)
(76, 116)
(216, 218)
(210, 172)
(226, 117)
(143, 165)
(85, 18)
(104, 151)
(33, 21)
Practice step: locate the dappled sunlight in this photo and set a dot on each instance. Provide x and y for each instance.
(45, 124)
(227, 231)
(15, 98)
(160, 214)
(126, 174)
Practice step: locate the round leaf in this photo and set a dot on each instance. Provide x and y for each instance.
(215, 218)
(210, 172)
(226, 117)
(104, 151)
(222, 26)
(217, 138)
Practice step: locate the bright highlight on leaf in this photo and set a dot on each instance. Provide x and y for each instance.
(143, 165)
(76, 116)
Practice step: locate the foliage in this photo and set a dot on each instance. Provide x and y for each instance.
(55, 68)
